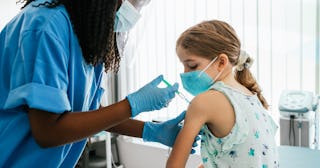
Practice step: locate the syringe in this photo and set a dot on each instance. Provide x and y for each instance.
(182, 96)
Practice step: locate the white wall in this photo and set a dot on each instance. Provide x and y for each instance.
(8, 9)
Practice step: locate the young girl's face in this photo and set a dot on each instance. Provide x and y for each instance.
(192, 62)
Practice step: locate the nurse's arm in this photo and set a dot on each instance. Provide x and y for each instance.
(129, 127)
(52, 129)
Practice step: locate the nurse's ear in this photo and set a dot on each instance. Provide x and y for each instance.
(222, 61)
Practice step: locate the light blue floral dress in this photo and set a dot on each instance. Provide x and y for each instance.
(250, 144)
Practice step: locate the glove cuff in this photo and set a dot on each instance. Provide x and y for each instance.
(147, 133)
(133, 105)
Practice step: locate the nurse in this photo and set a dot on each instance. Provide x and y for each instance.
(52, 56)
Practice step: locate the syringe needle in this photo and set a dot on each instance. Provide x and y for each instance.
(183, 97)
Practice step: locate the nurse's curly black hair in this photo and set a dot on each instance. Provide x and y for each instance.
(93, 22)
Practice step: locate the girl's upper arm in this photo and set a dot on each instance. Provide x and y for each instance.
(196, 117)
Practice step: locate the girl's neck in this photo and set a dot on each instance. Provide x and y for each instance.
(230, 80)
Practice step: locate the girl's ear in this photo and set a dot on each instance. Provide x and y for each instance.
(223, 61)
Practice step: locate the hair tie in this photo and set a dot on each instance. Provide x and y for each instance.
(244, 61)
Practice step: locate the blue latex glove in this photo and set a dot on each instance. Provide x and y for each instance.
(165, 132)
(150, 97)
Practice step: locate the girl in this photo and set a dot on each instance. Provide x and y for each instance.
(228, 108)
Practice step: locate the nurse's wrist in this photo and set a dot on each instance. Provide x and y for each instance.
(122, 107)
(132, 104)
(147, 132)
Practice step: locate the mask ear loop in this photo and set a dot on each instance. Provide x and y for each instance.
(214, 59)
(215, 79)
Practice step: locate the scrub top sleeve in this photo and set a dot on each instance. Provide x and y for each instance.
(39, 77)
(96, 101)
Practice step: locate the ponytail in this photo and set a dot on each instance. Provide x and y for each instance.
(245, 77)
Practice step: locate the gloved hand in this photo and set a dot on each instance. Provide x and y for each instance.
(150, 97)
(138, 4)
(165, 132)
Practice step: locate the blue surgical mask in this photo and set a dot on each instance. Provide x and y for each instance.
(126, 17)
(197, 82)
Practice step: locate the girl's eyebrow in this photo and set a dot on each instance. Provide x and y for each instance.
(188, 60)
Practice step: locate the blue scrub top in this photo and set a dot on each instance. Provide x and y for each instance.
(42, 67)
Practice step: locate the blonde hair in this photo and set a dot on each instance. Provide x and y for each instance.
(211, 38)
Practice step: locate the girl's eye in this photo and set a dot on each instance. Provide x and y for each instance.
(193, 66)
